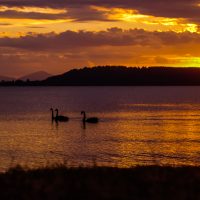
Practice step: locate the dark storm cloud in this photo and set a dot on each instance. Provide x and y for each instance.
(166, 8)
(112, 37)
(85, 13)
(30, 15)
(71, 39)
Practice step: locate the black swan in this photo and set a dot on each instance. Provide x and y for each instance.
(89, 120)
(60, 117)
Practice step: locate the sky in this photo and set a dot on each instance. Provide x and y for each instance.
(58, 35)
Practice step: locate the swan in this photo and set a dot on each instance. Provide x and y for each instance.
(60, 117)
(89, 120)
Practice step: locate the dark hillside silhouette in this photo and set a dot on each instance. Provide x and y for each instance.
(118, 76)
(112, 75)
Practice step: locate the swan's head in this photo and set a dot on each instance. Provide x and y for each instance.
(56, 109)
(51, 109)
(82, 112)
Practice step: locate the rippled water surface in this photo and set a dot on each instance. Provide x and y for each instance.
(138, 126)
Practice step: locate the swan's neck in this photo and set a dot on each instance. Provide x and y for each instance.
(52, 114)
(84, 116)
(56, 113)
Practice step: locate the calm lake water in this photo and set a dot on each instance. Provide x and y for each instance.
(138, 126)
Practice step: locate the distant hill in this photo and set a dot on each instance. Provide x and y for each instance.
(112, 75)
(37, 76)
(6, 78)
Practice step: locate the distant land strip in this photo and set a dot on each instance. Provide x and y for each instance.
(118, 76)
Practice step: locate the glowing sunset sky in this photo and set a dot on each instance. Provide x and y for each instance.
(57, 35)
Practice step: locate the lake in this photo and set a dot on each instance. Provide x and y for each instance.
(138, 126)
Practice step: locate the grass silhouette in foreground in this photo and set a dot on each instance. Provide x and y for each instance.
(150, 182)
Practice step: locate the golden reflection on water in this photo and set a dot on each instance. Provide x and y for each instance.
(164, 138)
(125, 138)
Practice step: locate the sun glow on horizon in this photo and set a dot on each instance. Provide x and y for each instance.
(88, 33)
(161, 23)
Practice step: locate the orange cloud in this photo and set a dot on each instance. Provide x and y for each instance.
(115, 46)
(33, 34)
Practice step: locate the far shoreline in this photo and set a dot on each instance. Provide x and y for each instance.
(117, 76)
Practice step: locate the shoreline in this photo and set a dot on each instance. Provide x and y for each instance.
(141, 182)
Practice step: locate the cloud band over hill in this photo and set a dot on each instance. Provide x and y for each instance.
(59, 35)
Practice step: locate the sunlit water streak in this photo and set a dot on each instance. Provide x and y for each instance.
(138, 126)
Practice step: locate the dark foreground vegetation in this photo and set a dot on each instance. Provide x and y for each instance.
(101, 183)
(118, 76)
